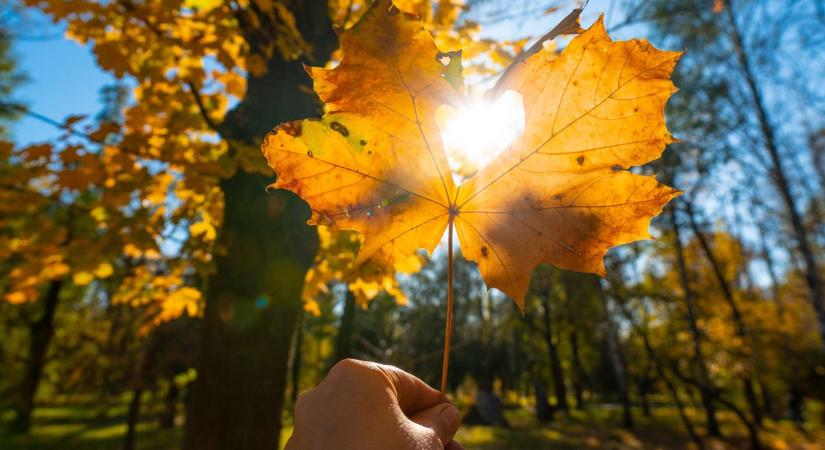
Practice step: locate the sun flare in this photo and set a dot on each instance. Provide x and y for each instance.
(476, 133)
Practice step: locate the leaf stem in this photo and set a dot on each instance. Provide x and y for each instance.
(448, 330)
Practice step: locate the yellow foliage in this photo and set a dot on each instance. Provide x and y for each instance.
(16, 297)
(311, 307)
(104, 270)
(336, 262)
(204, 229)
(82, 278)
(183, 301)
(132, 251)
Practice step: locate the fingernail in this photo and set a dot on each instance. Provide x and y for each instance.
(449, 413)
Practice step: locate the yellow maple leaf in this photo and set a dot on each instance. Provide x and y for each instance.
(132, 251)
(204, 230)
(560, 193)
(16, 297)
(104, 270)
(82, 278)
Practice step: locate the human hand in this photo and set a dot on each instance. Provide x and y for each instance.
(367, 406)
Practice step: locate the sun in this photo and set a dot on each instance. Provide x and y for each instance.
(476, 133)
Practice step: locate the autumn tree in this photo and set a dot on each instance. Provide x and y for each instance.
(738, 101)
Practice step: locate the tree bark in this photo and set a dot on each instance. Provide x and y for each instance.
(812, 275)
(768, 403)
(254, 296)
(343, 342)
(132, 418)
(544, 410)
(297, 357)
(143, 375)
(555, 362)
(41, 332)
(692, 318)
(578, 370)
(170, 405)
(644, 391)
(796, 405)
(580, 379)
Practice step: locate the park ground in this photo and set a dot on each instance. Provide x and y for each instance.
(83, 427)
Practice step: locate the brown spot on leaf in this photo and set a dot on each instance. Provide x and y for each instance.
(339, 128)
(293, 128)
(485, 252)
(309, 153)
(363, 142)
(580, 160)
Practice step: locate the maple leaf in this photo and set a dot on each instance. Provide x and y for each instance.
(560, 193)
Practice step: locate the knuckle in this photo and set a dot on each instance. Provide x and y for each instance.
(302, 403)
(348, 365)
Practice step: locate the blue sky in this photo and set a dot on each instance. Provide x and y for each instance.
(63, 80)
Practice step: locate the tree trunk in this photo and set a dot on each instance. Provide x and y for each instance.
(114, 348)
(812, 276)
(251, 306)
(644, 391)
(727, 293)
(297, 357)
(555, 362)
(580, 380)
(750, 397)
(766, 255)
(254, 296)
(698, 356)
(674, 393)
(517, 352)
(578, 370)
(170, 405)
(617, 362)
(796, 406)
(544, 410)
(768, 403)
(343, 342)
(132, 419)
(143, 375)
(41, 332)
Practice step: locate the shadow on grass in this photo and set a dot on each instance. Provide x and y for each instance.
(600, 428)
(81, 428)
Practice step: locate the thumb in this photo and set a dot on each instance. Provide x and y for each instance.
(442, 418)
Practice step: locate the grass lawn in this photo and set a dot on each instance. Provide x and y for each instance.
(80, 427)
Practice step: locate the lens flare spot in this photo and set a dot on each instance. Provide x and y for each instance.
(476, 133)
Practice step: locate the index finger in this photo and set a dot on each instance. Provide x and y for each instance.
(413, 395)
